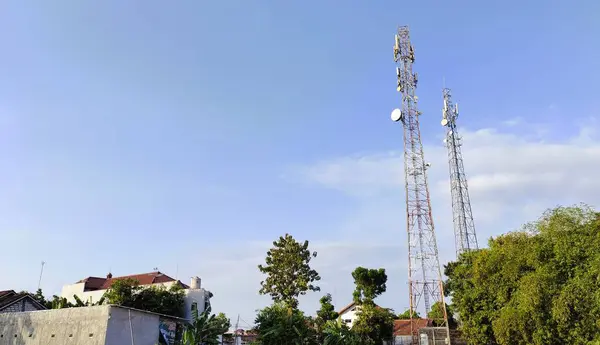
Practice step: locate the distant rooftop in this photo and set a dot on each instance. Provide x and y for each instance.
(97, 283)
(403, 327)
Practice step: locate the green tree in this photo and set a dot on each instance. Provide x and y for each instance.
(437, 313)
(535, 286)
(58, 302)
(161, 300)
(374, 325)
(39, 297)
(324, 314)
(122, 292)
(337, 333)
(281, 324)
(223, 321)
(157, 299)
(369, 283)
(327, 311)
(406, 315)
(205, 328)
(288, 271)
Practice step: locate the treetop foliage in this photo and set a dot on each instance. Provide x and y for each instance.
(288, 271)
(369, 283)
(374, 325)
(325, 314)
(406, 315)
(158, 299)
(282, 324)
(437, 315)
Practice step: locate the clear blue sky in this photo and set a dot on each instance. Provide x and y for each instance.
(137, 134)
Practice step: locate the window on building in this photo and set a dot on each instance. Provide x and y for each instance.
(347, 321)
(194, 306)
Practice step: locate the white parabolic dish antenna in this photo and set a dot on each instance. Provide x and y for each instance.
(444, 122)
(396, 115)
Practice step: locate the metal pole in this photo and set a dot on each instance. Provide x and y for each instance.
(41, 272)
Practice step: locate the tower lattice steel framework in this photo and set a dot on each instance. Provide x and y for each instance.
(424, 273)
(464, 228)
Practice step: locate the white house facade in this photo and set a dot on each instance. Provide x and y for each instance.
(349, 314)
(91, 289)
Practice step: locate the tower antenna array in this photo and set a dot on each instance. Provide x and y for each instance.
(424, 274)
(464, 228)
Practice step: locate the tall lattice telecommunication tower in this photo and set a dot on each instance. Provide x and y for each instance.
(424, 273)
(464, 227)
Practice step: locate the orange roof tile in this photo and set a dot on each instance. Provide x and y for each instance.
(402, 327)
(96, 283)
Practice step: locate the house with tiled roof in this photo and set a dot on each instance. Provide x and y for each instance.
(403, 330)
(91, 289)
(349, 313)
(13, 302)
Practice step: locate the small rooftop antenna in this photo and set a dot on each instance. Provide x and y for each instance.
(41, 272)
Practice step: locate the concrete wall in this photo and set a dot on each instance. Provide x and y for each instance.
(123, 321)
(74, 326)
(102, 325)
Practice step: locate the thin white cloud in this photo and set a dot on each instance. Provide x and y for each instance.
(513, 122)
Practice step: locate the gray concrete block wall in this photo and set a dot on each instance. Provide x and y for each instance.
(22, 305)
(122, 322)
(100, 325)
(73, 326)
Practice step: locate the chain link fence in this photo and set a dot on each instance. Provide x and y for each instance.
(433, 336)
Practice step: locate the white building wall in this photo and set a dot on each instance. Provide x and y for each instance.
(351, 314)
(74, 289)
(198, 296)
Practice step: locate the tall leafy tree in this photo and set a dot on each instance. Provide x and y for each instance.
(535, 286)
(223, 321)
(281, 324)
(324, 314)
(327, 311)
(288, 271)
(374, 325)
(369, 283)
